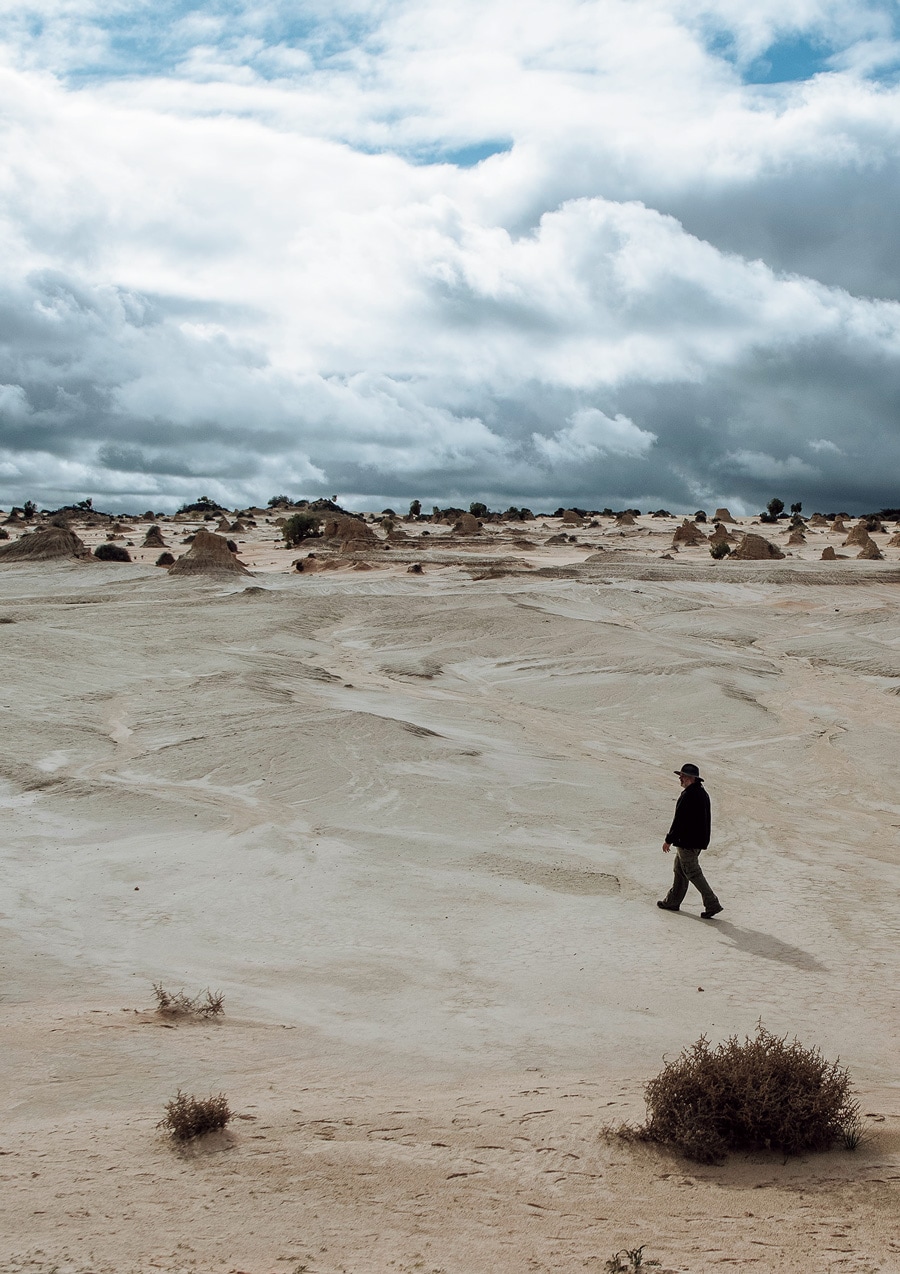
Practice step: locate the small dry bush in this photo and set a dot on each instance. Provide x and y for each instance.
(187, 1116)
(177, 1004)
(762, 1094)
(719, 550)
(628, 1260)
(111, 553)
(165, 559)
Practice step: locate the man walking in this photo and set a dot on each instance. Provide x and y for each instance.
(689, 835)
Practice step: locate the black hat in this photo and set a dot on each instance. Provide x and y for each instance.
(690, 770)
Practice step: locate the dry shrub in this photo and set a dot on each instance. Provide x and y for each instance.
(762, 1094)
(177, 1004)
(187, 1117)
(165, 559)
(111, 553)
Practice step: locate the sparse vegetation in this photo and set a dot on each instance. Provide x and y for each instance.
(111, 553)
(299, 527)
(719, 550)
(415, 508)
(188, 1117)
(762, 1094)
(774, 509)
(178, 1004)
(204, 505)
(633, 1260)
(4, 534)
(165, 559)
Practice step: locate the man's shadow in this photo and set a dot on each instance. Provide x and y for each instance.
(763, 944)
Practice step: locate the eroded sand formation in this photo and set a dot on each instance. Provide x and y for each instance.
(409, 822)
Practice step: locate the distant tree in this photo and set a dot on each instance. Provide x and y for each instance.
(700, 515)
(203, 505)
(796, 508)
(299, 527)
(280, 502)
(415, 508)
(478, 510)
(29, 509)
(775, 507)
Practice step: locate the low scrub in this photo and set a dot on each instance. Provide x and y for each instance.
(178, 1004)
(719, 550)
(111, 553)
(762, 1094)
(299, 527)
(165, 559)
(188, 1117)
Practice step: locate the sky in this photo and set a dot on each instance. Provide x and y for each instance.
(635, 253)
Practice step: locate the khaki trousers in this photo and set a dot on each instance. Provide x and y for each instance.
(687, 871)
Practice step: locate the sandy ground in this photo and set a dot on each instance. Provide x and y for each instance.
(410, 825)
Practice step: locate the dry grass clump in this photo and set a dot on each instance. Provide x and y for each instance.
(177, 1004)
(165, 559)
(187, 1116)
(762, 1094)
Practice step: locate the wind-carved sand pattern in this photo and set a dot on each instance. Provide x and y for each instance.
(410, 825)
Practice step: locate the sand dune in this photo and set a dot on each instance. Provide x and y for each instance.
(411, 826)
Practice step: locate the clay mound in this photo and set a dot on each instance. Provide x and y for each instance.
(859, 534)
(52, 543)
(625, 519)
(398, 536)
(721, 536)
(467, 524)
(871, 552)
(818, 520)
(894, 541)
(796, 536)
(13, 519)
(154, 539)
(838, 527)
(350, 534)
(237, 528)
(571, 518)
(753, 548)
(828, 554)
(224, 526)
(722, 515)
(688, 533)
(209, 554)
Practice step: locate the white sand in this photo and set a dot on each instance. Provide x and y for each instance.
(411, 826)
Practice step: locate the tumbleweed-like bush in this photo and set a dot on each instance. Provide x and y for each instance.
(762, 1094)
(111, 553)
(187, 1116)
(178, 1004)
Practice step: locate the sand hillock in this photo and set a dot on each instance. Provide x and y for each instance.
(237, 528)
(838, 527)
(796, 536)
(571, 518)
(754, 548)
(818, 520)
(154, 538)
(722, 515)
(50, 544)
(688, 533)
(209, 554)
(828, 554)
(350, 535)
(625, 519)
(466, 524)
(721, 536)
(871, 552)
(859, 534)
(894, 541)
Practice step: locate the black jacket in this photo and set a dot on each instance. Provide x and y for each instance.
(691, 824)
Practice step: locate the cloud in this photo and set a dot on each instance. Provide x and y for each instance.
(534, 252)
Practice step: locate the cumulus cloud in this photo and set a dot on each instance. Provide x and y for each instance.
(529, 252)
